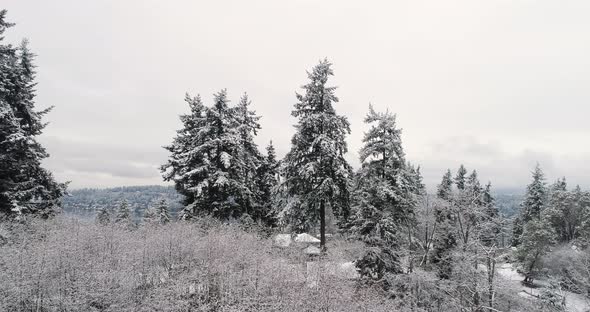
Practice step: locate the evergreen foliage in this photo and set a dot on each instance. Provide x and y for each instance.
(537, 238)
(445, 188)
(460, 178)
(384, 196)
(268, 179)
(532, 205)
(214, 159)
(315, 171)
(25, 187)
(123, 215)
(535, 197)
(103, 216)
(162, 212)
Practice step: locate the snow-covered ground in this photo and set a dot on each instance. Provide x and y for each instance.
(574, 302)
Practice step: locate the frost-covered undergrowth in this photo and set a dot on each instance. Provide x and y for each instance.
(66, 265)
(572, 301)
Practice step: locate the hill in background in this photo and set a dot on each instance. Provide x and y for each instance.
(84, 203)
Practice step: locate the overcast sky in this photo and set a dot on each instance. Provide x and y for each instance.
(497, 84)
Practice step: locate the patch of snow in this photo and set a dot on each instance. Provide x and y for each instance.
(306, 238)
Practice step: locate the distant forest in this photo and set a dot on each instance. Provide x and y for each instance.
(84, 203)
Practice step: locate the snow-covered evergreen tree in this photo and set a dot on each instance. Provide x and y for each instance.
(316, 173)
(249, 157)
(214, 159)
(25, 187)
(537, 238)
(103, 216)
(162, 212)
(534, 202)
(384, 195)
(188, 163)
(460, 178)
(267, 183)
(565, 210)
(445, 239)
(535, 196)
(445, 188)
(123, 214)
(492, 222)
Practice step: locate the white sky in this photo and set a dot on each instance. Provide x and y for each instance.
(497, 84)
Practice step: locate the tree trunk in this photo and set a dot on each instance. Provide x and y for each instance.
(322, 226)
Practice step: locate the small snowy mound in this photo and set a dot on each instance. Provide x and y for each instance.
(306, 239)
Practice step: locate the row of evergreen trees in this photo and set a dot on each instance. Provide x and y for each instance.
(215, 163)
(158, 214)
(25, 187)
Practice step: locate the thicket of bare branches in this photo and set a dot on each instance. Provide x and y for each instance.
(66, 265)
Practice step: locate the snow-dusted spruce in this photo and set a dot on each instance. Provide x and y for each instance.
(157, 214)
(187, 165)
(162, 212)
(445, 188)
(566, 211)
(534, 202)
(466, 217)
(268, 173)
(384, 196)
(249, 158)
(103, 216)
(536, 240)
(25, 187)
(315, 171)
(445, 239)
(460, 178)
(214, 159)
(123, 214)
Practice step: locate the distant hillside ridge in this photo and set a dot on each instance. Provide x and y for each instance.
(85, 202)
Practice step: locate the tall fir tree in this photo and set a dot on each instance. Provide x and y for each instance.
(460, 178)
(384, 196)
(534, 201)
(187, 165)
(249, 156)
(492, 223)
(445, 188)
(446, 238)
(123, 214)
(25, 186)
(535, 196)
(316, 173)
(268, 181)
(162, 212)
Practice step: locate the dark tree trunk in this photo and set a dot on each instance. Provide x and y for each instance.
(322, 226)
